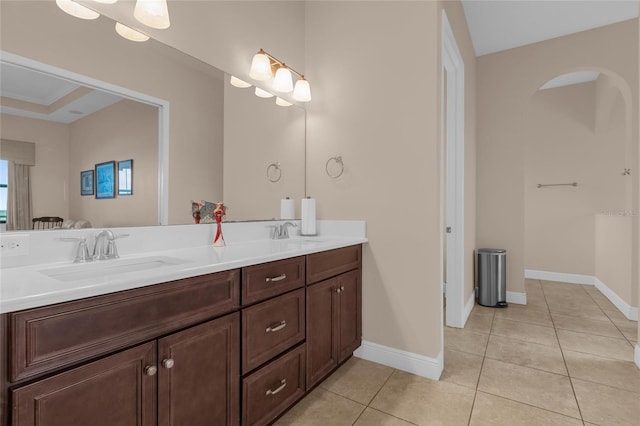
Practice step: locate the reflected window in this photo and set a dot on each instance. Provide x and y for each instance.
(4, 178)
(125, 177)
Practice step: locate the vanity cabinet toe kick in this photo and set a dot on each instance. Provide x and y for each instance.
(229, 348)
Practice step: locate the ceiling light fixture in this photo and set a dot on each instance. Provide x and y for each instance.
(262, 68)
(106, 1)
(130, 33)
(152, 13)
(236, 82)
(77, 10)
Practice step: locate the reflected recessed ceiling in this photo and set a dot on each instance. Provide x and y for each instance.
(32, 94)
(500, 25)
(571, 79)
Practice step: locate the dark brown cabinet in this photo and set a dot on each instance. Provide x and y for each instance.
(116, 390)
(334, 320)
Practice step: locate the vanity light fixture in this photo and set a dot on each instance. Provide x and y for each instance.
(77, 10)
(130, 33)
(262, 68)
(263, 93)
(152, 13)
(236, 82)
(106, 1)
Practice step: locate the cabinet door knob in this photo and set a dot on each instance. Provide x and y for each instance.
(150, 370)
(338, 290)
(167, 363)
(342, 288)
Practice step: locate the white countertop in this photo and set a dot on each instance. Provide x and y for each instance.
(36, 285)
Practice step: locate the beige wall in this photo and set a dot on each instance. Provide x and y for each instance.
(573, 134)
(123, 131)
(506, 82)
(274, 134)
(613, 254)
(50, 176)
(40, 31)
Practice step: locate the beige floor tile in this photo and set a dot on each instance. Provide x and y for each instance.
(532, 283)
(479, 309)
(607, 371)
(533, 387)
(524, 331)
(372, 417)
(423, 401)
(466, 341)
(480, 322)
(534, 355)
(358, 380)
(461, 368)
(602, 301)
(594, 313)
(595, 345)
(559, 286)
(536, 301)
(320, 408)
(529, 314)
(586, 325)
(604, 405)
(491, 410)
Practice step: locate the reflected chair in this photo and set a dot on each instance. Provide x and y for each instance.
(46, 222)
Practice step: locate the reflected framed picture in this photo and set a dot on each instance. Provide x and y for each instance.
(106, 180)
(125, 177)
(86, 182)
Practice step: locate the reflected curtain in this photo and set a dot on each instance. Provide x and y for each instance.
(19, 197)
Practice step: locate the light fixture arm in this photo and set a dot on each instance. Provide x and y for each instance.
(276, 61)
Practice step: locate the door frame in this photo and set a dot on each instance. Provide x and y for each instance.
(452, 177)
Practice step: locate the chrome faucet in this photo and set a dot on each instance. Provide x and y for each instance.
(105, 245)
(280, 232)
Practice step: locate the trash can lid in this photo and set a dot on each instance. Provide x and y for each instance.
(491, 251)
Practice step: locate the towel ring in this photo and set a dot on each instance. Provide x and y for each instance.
(274, 172)
(340, 165)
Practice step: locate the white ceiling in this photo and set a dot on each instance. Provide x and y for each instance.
(501, 25)
(43, 90)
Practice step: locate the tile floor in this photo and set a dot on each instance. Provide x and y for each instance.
(564, 359)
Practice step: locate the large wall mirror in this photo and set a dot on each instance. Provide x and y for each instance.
(215, 142)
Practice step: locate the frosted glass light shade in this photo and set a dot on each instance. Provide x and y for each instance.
(260, 67)
(282, 102)
(263, 93)
(152, 13)
(106, 1)
(236, 82)
(283, 82)
(302, 91)
(77, 10)
(130, 33)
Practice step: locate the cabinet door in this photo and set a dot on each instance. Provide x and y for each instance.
(199, 374)
(323, 302)
(112, 391)
(350, 313)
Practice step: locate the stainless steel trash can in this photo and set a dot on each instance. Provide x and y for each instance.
(492, 277)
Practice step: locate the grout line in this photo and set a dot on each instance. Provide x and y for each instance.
(484, 357)
(575, 397)
(533, 406)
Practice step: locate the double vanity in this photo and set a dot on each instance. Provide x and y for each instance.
(194, 335)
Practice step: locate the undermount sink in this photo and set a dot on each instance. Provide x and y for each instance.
(109, 267)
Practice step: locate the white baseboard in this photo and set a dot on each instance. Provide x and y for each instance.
(421, 365)
(560, 276)
(517, 298)
(629, 311)
(637, 357)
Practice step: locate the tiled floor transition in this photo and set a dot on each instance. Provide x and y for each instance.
(566, 358)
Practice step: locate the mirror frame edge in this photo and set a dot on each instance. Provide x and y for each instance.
(161, 104)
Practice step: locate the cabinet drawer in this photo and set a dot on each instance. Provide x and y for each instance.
(261, 282)
(272, 389)
(43, 339)
(327, 264)
(272, 327)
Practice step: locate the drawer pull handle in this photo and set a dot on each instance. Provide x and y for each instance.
(276, 279)
(167, 363)
(283, 384)
(150, 370)
(276, 327)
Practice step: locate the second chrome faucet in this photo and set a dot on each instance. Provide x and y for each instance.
(280, 232)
